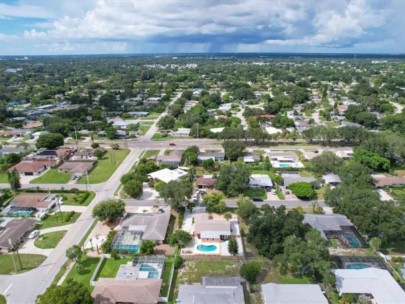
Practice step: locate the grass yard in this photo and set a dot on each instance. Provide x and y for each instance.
(166, 275)
(397, 193)
(79, 199)
(89, 266)
(110, 267)
(306, 173)
(105, 167)
(144, 127)
(150, 116)
(59, 219)
(320, 193)
(49, 240)
(256, 192)
(52, 176)
(149, 153)
(3, 178)
(2, 299)
(28, 261)
(159, 137)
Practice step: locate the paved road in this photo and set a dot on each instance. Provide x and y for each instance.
(231, 203)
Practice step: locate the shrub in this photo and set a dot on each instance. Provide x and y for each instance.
(178, 261)
(303, 190)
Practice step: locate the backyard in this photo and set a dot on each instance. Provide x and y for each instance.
(78, 199)
(110, 267)
(105, 167)
(89, 266)
(150, 153)
(59, 219)
(49, 240)
(52, 176)
(28, 262)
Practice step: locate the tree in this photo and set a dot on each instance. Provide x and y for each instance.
(250, 271)
(147, 247)
(109, 210)
(180, 238)
(95, 145)
(208, 164)
(233, 246)
(14, 180)
(111, 132)
(228, 216)
(167, 122)
(214, 202)
(246, 208)
(12, 158)
(233, 149)
(176, 193)
(354, 173)
(375, 243)
(371, 159)
(74, 253)
(233, 179)
(70, 292)
(134, 187)
(303, 190)
(49, 141)
(99, 154)
(190, 156)
(325, 163)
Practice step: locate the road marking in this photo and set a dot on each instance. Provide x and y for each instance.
(7, 289)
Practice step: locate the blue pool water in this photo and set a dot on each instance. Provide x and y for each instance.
(352, 239)
(132, 248)
(22, 213)
(357, 266)
(284, 165)
(206, 248)
(153, 273)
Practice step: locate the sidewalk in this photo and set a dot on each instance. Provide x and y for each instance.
(30, 248)
(53, 229)
(68, 208)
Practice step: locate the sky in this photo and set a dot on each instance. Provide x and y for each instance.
(52, 27)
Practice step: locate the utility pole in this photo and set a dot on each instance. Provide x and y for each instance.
(87, 181)
(76, 137)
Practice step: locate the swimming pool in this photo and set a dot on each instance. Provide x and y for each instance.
(285, 165)
(206, 248)
(152, 272)
(357, 266)
(22, 213)
(131, 248)
(352, 239)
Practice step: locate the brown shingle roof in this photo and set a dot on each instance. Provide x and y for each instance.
(108, 291)
(205, 181)
(31, 166)
(76, 166)
(15, 230)
(30, 200)
(388, 181)
(33, 125)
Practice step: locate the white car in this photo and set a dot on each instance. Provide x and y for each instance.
(33, 234)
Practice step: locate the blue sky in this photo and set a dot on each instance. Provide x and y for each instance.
(40, 27)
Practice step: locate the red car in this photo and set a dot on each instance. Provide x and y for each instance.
(172, 144)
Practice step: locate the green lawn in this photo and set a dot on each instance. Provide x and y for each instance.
(105, 167)
(52, 176)
(166, 275)
(110, 267)
(159, 137)
(89, 266)
(2, 299)
(144, 127)
(49, 240)
(73, 199)
(28, 261)
(150, 153)
(256, 192)
(3, 178)
(58, 219)
(151, 116)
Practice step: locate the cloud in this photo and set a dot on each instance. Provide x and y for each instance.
(211, 25)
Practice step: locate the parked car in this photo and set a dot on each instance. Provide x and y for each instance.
(33, 234)
(257, 199)
(172, 144)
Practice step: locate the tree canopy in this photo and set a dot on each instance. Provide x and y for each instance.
(49, 141)
(109, 210)
(70, 292)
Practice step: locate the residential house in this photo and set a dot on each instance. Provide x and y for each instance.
(32, 167)
(205, 182)
(221, 290)
(138, 114)
(280, 159)
(331, 179)
(189, 104)
(211, 230)
(262, 181)
(87, 154)
(113, 291)
(345, 154)
(33, 125)
(77, 168)
(292, 178)
(151, 101)
(167, 175)
(385, 181)
(293, 294)
(251, 158)
(181, 132)
(215, 156)
(8, 150)
(41, 202)
(15, 231)
(171, 159)
(117, 122)
(376, 284)
(302, 125)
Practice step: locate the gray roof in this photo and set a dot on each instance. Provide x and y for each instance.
(293, 294)
(296, 178)
(15, 230)
(331, 178)
(260, 180)
(326, 222)
(154, 225)
(216, 290)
